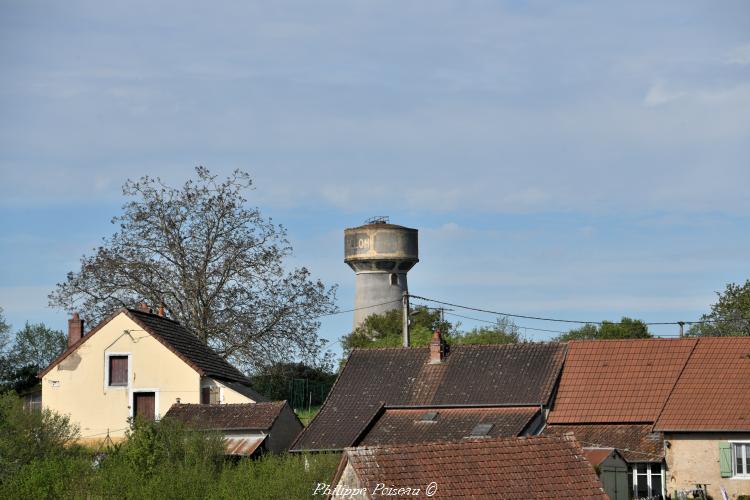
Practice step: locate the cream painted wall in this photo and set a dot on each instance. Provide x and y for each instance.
(694, 458)
(77, 385)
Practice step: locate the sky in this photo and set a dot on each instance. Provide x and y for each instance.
(578, 160)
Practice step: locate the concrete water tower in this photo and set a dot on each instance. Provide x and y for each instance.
(380, 254)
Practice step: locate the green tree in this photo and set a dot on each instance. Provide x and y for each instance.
(627, 328)
(26, 435)
(217, 264)
(276, 382)
(4, 333)
(729, 316)
(504, 331)
(386, 330)
(35, 346)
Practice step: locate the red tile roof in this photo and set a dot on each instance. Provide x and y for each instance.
(477, 375)
(398, 426)
(635, 442)
(618, 381)
(249, 416)
(543, 467)
(713, 392)
(596, 456)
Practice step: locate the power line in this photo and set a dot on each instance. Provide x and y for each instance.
(558, 320)
(493, 322)
(358, 308)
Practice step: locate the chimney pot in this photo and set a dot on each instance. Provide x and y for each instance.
(437, 348)
(161, 309)
(75, 329)
(144, 307)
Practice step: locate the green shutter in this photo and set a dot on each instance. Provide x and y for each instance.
(725, 458)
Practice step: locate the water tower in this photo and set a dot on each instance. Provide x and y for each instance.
(380, 254)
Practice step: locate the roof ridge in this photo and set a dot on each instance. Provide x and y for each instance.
(138, 311)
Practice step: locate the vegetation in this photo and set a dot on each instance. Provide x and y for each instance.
(729, 316)
(627, 328)
(385, 330)
(217, 265)
(34, 347)
(300, 384)
(157, 460)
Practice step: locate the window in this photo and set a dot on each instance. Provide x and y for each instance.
(646, 480)
(481, 430)
(209, 395)
(394, 279)
(118, 370)
(741, 459)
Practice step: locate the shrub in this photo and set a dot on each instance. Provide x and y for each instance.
(276, 476)
(26, 436)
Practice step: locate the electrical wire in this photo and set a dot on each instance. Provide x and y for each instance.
(357, 309)
(579, 322)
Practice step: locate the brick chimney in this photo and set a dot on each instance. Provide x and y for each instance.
(143, 307)
(161, 309)
(437, 348)
(75, 329)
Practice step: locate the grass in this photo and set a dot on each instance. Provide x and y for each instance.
(306, 415)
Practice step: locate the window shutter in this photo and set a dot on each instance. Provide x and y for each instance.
(118, 370)
(725, 459)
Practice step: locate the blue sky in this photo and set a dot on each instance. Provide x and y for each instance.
(583, 160)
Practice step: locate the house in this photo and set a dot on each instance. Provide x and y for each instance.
(135, 363)
(612, 470)
(416, 395)
(248, 429)
(706, 419)
(542, 467)
(611, 393)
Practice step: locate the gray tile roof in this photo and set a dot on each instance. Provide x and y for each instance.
(489, 375)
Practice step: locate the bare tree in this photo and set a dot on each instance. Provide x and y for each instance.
(216, 264)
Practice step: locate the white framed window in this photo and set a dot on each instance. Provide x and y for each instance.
(646, 479)
(117, 370)
(741, 460)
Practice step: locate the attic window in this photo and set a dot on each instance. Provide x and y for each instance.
(430, 416)
(118, 370)
(481, 430)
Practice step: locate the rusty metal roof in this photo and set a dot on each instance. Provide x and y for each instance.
(243, 446)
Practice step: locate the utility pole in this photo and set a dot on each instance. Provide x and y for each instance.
(682, 328)
(405, 316)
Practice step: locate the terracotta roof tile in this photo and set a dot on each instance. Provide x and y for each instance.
(635, 442)
(543, 467)
(486, 375)
(250, 416)
(397, 426)
(618, 381)
(713, 392)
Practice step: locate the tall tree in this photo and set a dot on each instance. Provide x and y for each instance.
(35, 346)
(217, 265)
(729, 316)
(4, 333)
(627, 328)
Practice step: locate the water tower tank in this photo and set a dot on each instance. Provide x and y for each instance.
(380, 254)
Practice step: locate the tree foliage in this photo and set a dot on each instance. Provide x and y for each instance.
(627, 328)
(276, 381)
(27, 435)
(217, 265)
(35, 346)
(385, 330)
(504, 331)
(729, 316)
